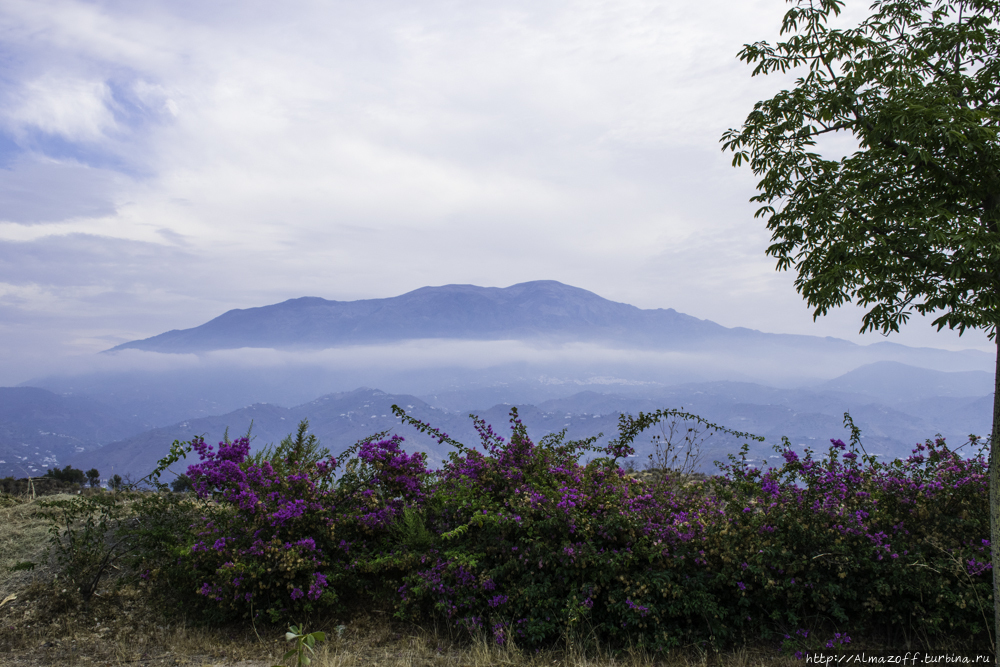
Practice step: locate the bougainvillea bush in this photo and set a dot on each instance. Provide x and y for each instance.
(531, 543)
(274, 540)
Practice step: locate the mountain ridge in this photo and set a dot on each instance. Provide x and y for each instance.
(537, 309)
(544, 312)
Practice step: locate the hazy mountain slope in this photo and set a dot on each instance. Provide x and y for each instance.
(338, 420)
(808, 417)
(899, 382)
(39, 428)
(164, 397)
(528, 310)
(955, 417)
(137, 456)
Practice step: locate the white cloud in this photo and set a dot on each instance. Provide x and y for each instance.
(75, 109)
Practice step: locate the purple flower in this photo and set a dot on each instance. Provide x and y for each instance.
(975, 568)
(636, 607)
(317, 586)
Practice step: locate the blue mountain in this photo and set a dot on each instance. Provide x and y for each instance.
(531, 310)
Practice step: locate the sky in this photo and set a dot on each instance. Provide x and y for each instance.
(164, 162)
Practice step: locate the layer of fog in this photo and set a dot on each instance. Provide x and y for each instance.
(777, 362)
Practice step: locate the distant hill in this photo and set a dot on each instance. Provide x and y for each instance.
(905, 383)
(809, 417)
(338, 419)
(39, 428)
(544, 308)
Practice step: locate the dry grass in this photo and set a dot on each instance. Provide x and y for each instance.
(42, 623)
(23, 538)
(373, 645)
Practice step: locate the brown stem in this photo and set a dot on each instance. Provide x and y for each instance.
(995, 498)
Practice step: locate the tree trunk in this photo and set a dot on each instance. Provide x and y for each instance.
(995, 500)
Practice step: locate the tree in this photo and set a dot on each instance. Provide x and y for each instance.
(93, 477)
(68, 474)
(116, 482)
(181, 484)
(909, 220)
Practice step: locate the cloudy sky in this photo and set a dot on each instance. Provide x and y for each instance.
(163, 162)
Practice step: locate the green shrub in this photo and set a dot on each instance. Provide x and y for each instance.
(86, 538)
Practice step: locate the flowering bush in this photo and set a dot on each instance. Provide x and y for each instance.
(534, 544)
(276, 535)
(899, 547)
(529, 543)
(263, 544)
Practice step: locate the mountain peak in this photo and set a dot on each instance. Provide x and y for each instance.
(541, 309)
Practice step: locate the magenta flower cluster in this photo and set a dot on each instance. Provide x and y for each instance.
(268, 543)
